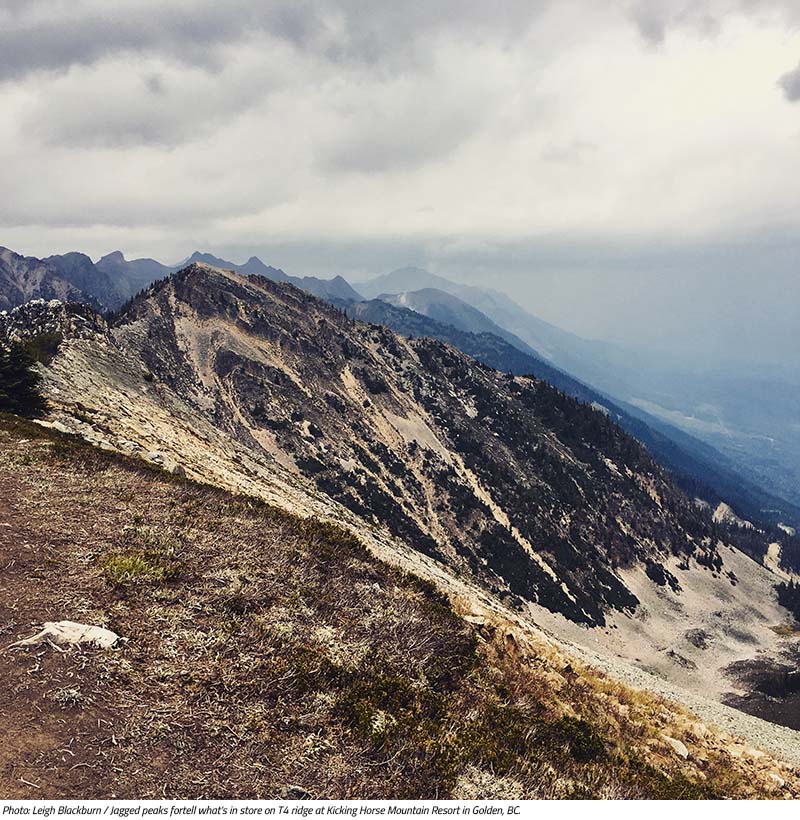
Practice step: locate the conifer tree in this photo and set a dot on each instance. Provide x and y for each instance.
(19, 383)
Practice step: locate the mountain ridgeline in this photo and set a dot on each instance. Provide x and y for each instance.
(738, 416)
(697, 467)
(428, 305)
(113, 280)
(505, 480)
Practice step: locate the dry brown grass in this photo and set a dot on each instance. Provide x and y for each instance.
(267, 651)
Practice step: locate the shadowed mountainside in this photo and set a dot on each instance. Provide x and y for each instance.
(503, 479)
(698, 468)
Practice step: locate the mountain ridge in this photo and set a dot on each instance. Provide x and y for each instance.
(384, 401)
(111, 281)
(499, 489)
(698, 467)
(746, 416)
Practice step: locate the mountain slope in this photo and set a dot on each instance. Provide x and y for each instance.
(450, 310)
(501, 488)
(270, 656)
(748, 417)
(25, 277)
(131, 276)
(699, 468)
(557, 346)
(79, 270)
(332, 290)
(502, 479)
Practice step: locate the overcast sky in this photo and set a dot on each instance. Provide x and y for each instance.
(626, 169)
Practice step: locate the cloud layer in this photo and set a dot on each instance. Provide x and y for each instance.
(347, 134)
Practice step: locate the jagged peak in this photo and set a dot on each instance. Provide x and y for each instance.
(202, 256)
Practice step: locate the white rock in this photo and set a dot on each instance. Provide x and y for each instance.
(777, 779)
(677, 747)
(70, 633)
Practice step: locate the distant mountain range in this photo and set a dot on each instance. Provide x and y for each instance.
(112, 280)
(749, 415)
(447, 309)
(551, 343)
(722, 441)
(24, 277)
(335, 288)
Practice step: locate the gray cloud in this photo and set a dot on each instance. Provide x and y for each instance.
(49, 35)
(537, 146)
(790, 83)
(126, 104)
(399, 125)
(94, 60)
(655, 18)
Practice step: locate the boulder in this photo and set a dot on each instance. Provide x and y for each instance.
(676, 745)
(295, 793)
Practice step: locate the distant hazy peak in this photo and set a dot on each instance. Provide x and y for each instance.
(208, 259)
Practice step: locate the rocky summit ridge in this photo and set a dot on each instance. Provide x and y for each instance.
(503, 479)
(501, 486)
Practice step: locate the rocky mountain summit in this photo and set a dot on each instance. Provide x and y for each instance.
(504, 480)
(498, 486)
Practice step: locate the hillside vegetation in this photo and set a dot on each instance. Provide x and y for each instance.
(271, 655)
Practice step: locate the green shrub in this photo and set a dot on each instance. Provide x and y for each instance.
(137, 566)
(43, 347)
(585, 744)
(20, 383)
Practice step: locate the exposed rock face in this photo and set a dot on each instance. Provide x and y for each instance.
(97, 285)
(69, 277)
(723, 514)
(696, 465)
(504, 480)
(24, 277)
(39, 318)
